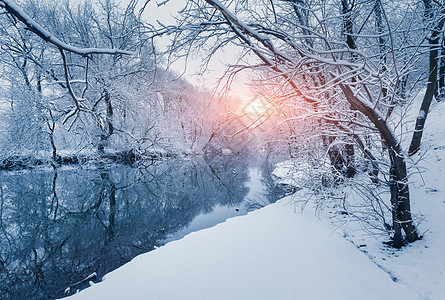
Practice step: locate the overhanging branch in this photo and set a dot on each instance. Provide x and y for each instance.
(36, 28)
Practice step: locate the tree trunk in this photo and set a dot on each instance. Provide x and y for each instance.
(432, 80)
(348, 23)
(442, 72)
(382, 48)
(51, 123)
(108, 129)
(426, 102)
(400, 199)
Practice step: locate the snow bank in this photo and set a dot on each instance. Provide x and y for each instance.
(272, 253)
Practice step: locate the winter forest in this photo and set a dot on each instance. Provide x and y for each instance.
(233, 149)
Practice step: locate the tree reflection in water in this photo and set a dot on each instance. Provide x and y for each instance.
(58, 227)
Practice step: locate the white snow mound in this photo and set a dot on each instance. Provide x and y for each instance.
(272, 253)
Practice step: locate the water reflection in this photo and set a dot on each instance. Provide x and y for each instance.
(59, 226)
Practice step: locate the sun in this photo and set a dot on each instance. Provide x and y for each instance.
(258, 111)
(259, 107)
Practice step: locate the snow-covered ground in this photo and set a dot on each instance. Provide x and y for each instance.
(420, 265)
(272, 253)
(279, 252)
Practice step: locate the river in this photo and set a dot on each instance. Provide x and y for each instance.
(59, 227)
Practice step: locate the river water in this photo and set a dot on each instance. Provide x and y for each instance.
(59, 227)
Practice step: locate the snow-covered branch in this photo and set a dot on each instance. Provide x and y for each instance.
(36, 28)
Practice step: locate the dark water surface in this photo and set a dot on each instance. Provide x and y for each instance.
(57, 227)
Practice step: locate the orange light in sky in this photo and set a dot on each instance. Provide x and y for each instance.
(259, 109)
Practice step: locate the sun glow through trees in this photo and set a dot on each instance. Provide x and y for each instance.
(259, 109)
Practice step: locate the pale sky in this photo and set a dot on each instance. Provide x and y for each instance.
(164, 13)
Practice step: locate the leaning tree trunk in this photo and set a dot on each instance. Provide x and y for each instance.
(432, 80)
(400, 199)
(426, 102)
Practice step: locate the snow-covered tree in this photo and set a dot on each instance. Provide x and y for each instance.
(95, 81)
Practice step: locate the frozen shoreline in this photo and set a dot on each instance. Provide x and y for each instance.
(271, 253)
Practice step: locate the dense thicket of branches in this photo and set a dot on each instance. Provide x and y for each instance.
(87, 78)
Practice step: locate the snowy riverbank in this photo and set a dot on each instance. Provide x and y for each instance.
(272, 253)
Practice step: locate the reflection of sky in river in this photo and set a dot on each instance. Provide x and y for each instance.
(220, 213)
